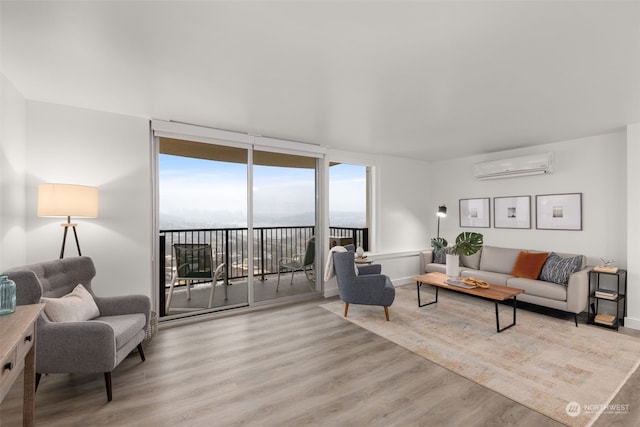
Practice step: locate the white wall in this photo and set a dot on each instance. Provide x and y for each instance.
(402, 213)
(13, 116)
(404, 206)
(111, 152)
(594, 166)
(410, 192)
(633, 226)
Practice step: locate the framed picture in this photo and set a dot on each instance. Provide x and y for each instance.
(559, 211)
(475, 213)
(512, 212)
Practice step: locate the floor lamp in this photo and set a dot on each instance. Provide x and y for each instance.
(67, 200)
(442, 213)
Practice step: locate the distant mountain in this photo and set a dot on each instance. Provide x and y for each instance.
(227, 219)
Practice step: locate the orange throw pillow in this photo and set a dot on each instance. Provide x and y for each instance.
(529, 265)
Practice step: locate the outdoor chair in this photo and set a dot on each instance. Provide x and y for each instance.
(194, 262)
(300, 262)
(367, 289)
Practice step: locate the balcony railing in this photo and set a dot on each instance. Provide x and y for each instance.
(230, 246)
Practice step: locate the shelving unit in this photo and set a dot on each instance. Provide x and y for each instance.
(607, 298)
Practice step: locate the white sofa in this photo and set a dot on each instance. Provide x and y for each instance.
(495, 265)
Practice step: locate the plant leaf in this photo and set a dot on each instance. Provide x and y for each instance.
(468, 243)
(438, 243)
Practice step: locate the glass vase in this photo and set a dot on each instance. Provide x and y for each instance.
(7, 295)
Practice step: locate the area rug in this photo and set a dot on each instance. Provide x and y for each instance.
(547, 364)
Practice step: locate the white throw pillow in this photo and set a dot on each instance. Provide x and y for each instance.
(76, 306)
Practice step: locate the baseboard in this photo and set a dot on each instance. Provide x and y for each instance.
(329, 293)
(392, 255)
(632, 323)
(403, 281)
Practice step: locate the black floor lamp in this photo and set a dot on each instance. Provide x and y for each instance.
(442, 213)
(67, 200)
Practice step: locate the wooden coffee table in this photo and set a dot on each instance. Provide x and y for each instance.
(495, 293)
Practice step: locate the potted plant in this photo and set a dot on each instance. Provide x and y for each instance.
(467, 243)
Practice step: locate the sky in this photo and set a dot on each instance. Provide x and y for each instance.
(210, 194)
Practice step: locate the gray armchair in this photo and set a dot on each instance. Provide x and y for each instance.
(369, 287)
(96, 345)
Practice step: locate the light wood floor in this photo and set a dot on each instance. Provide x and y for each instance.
(289, 366)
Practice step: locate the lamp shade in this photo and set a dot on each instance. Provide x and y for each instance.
(442, 211)
(66, 200)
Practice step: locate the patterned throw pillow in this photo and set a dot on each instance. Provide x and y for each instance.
(440, 256)
(557, 269)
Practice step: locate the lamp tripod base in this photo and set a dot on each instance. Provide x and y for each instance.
(66, 226)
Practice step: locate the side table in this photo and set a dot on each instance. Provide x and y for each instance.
(17, 351)
(607, 298)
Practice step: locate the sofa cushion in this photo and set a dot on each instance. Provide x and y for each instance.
(498, 260)
(125, 326)
(529, 265)
(471, 261)
(557, 269)
(491, 277)
(435, 268)
(76, 306)
(539, 288)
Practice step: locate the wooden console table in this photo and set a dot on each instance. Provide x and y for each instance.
(17, 351)
(494, 293)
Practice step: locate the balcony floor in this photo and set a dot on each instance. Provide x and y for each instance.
(237, 293)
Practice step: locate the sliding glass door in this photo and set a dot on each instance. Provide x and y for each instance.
(203, 213)
(237, 222)
(284, 222)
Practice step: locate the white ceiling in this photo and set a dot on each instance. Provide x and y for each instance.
(429, 80)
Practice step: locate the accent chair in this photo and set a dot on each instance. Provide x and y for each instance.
(114, 329)
(367, 287)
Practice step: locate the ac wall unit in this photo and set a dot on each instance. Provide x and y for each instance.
(535, 164)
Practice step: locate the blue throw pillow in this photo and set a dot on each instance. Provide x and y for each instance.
(557, 269)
